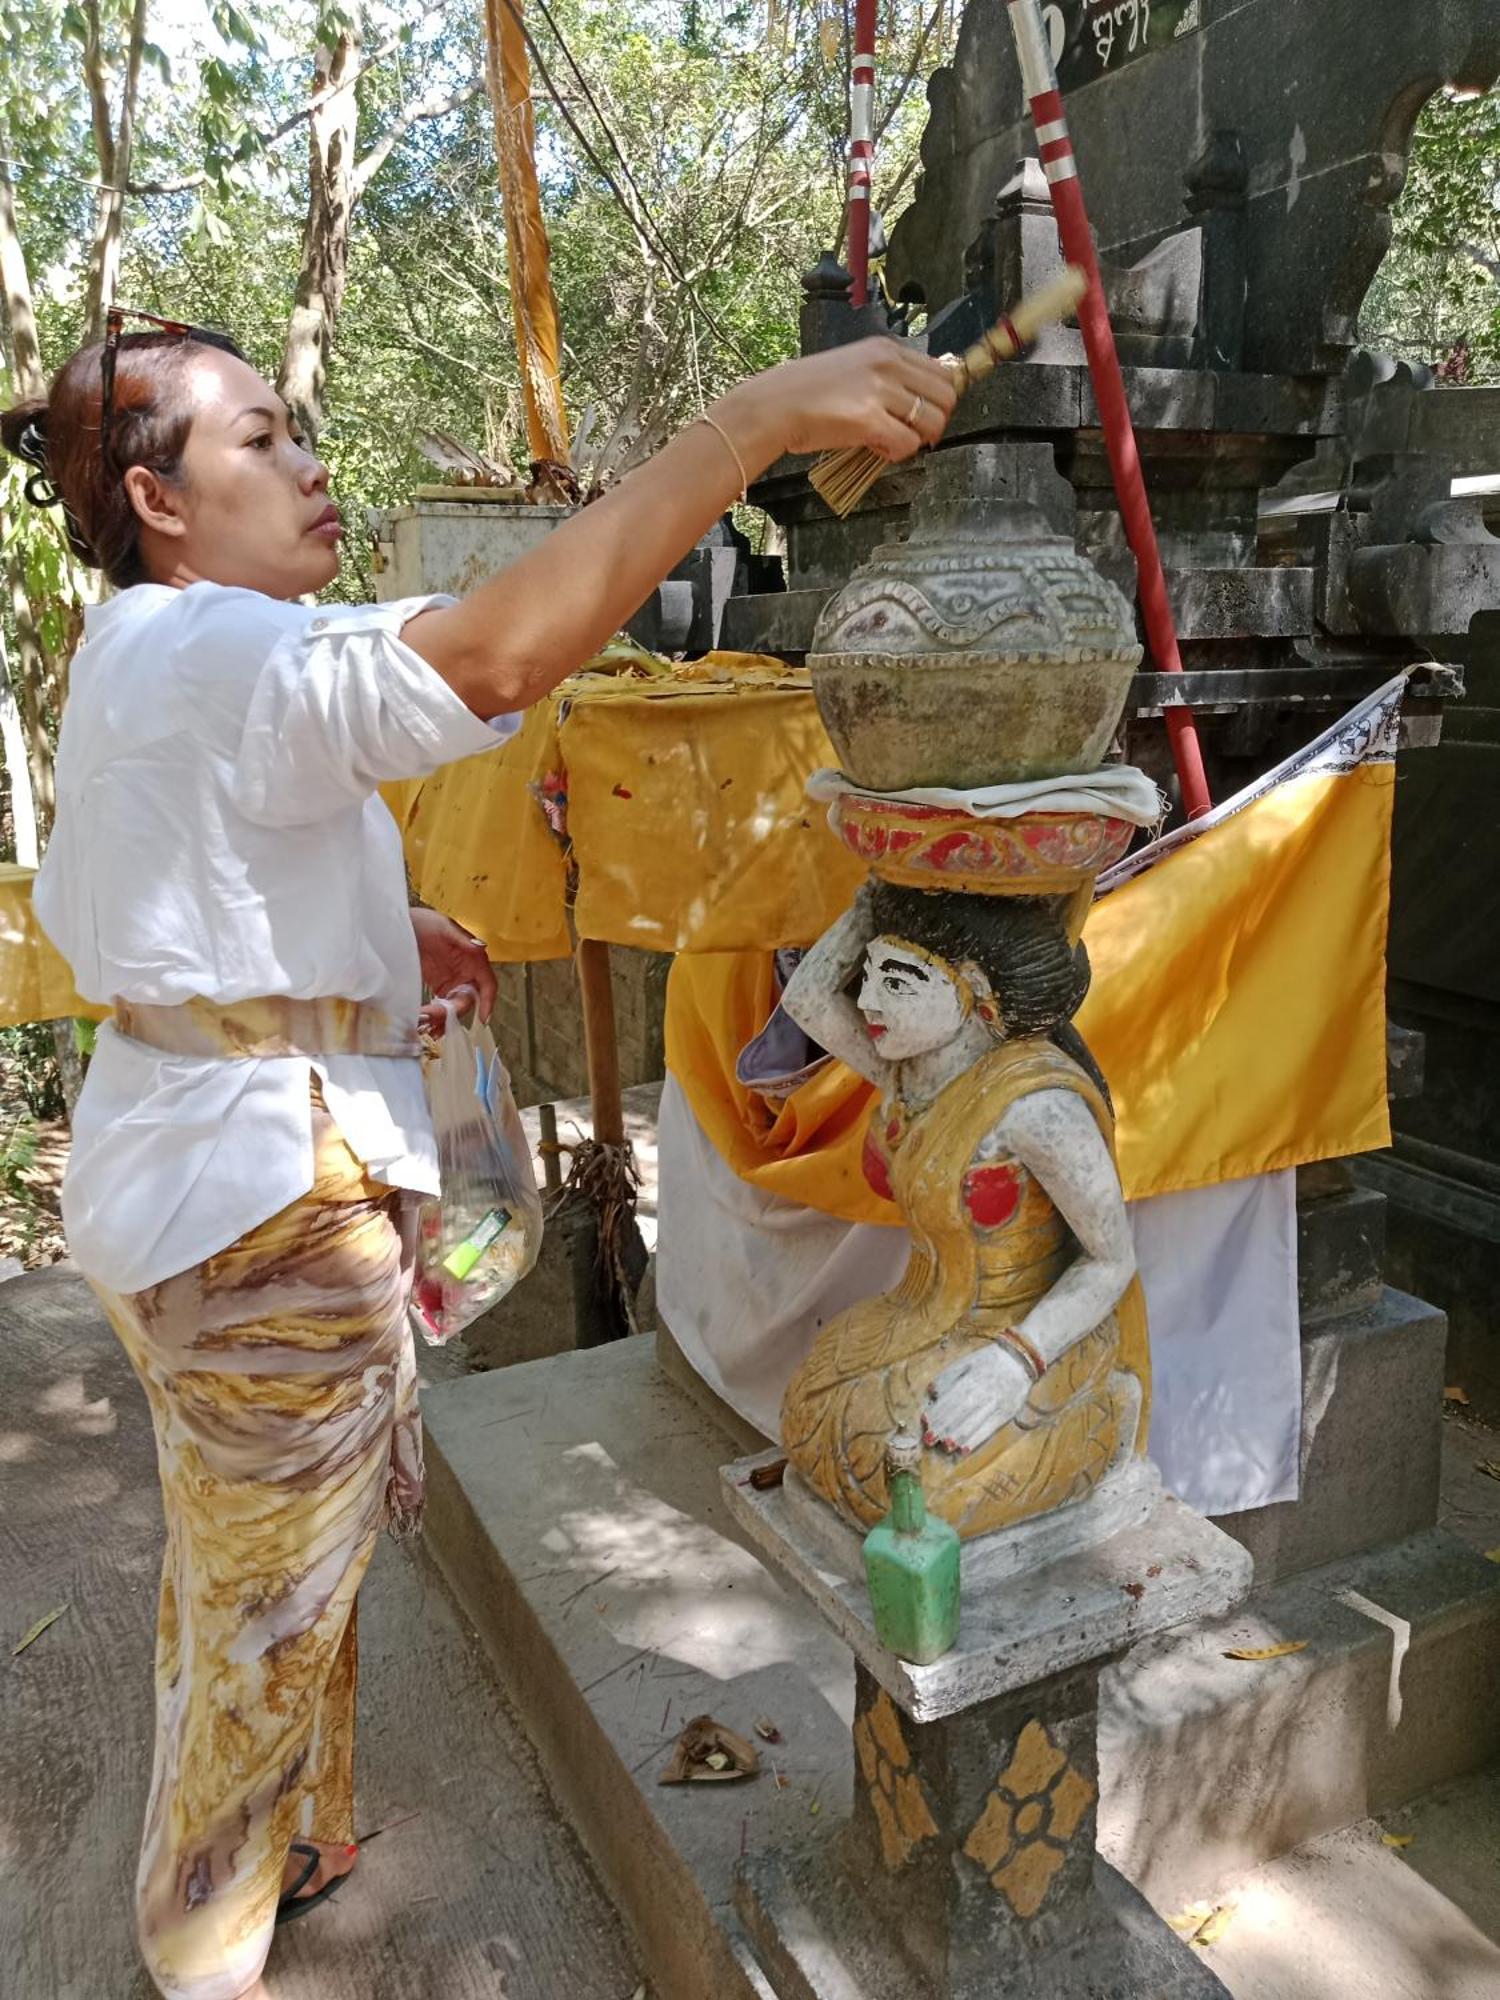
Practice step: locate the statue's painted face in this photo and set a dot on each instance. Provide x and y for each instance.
(911, 1003)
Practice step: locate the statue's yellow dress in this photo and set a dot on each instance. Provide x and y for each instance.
(987, 1243)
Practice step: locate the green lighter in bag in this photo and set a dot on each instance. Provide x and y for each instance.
(461, 1260)
(911, 1565)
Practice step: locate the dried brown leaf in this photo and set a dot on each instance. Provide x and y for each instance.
(766, 1729)
(1278, 1652)
(708, 1752)
(1456, 1395)
(1398, 1839)
(1490, 1467)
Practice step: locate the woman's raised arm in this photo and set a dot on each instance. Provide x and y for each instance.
(515, 637)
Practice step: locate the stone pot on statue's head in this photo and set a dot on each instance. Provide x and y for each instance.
(983, 648)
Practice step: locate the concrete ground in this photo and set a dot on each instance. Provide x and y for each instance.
(469, 1885)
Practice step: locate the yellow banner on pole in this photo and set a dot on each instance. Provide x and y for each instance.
(528, 253)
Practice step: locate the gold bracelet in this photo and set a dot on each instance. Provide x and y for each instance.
(734, 452)
(1024, 1350)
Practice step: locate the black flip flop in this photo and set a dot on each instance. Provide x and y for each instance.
(294, 1904)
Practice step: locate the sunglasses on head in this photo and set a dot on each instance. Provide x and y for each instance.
(114, 327)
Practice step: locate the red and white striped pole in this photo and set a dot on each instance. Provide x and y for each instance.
(1055, 147)
(861, 149)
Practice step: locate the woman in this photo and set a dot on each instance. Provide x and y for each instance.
(1017, 1338)
(224, 875)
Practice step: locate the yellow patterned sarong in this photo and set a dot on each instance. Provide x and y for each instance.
(282, 1386)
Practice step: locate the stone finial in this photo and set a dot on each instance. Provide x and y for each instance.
(827, 280)
(1025, 193)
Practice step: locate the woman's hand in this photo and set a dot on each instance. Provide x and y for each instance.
(451, 959)
(974, 1398)
(879, 393)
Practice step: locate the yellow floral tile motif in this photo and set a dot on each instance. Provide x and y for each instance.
(896, 1798)
(1021, 1838)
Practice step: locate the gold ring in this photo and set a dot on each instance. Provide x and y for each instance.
(916, 410)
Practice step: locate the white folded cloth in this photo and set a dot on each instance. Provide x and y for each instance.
(1119, 791)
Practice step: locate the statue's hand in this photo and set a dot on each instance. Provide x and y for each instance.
(974, 1398)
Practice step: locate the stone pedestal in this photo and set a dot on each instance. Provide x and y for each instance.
(968, 1864)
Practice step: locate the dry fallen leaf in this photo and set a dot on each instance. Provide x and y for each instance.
(766, 1729)
(1213, 1927)
(1456, 1395)
(1490, 1467)
(1187, 1921)
(1202, 1924)
(1268, 1652)
(1398, 1839)
(1492, 1555)
(707, 1752)
(41, 1625)
(765, 1478)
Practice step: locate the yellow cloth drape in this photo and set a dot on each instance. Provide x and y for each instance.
(1237, 1009)
(35, 983)
(528, 253)
(687, 813)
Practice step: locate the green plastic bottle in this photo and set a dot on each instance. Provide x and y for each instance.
(911, 1565)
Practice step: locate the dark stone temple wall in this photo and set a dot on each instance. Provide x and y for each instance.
(1323, 94)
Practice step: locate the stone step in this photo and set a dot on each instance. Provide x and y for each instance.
(1340, 1254)
(1210, 1766)
(576, 1509)
(1372, 1389)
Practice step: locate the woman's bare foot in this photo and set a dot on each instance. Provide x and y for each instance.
(332, 1863)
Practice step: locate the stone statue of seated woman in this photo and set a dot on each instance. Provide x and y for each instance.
(1017, 1339)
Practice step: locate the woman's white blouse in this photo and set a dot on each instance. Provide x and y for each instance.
(219, 834)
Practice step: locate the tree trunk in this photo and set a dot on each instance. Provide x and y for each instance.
(18, 769)
(325, 237)
(20, 314)
(113, 149)
(28, 752)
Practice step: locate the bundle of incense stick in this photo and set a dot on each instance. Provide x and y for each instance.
(843, 478)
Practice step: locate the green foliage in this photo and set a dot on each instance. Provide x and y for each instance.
(28, 1063)
(1439, 288)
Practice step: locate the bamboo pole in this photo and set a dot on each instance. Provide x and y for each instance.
(861, 150)
(597, 994)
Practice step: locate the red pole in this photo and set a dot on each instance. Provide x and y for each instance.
(861, 149)
(1055, 147)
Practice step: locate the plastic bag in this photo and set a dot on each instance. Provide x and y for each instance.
(484, 1233)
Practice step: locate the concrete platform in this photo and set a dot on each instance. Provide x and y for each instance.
(1210, 1766)
(1160, 1572)
(577, 1512)
(1372, 1388)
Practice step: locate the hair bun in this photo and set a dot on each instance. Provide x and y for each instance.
(23, 431)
